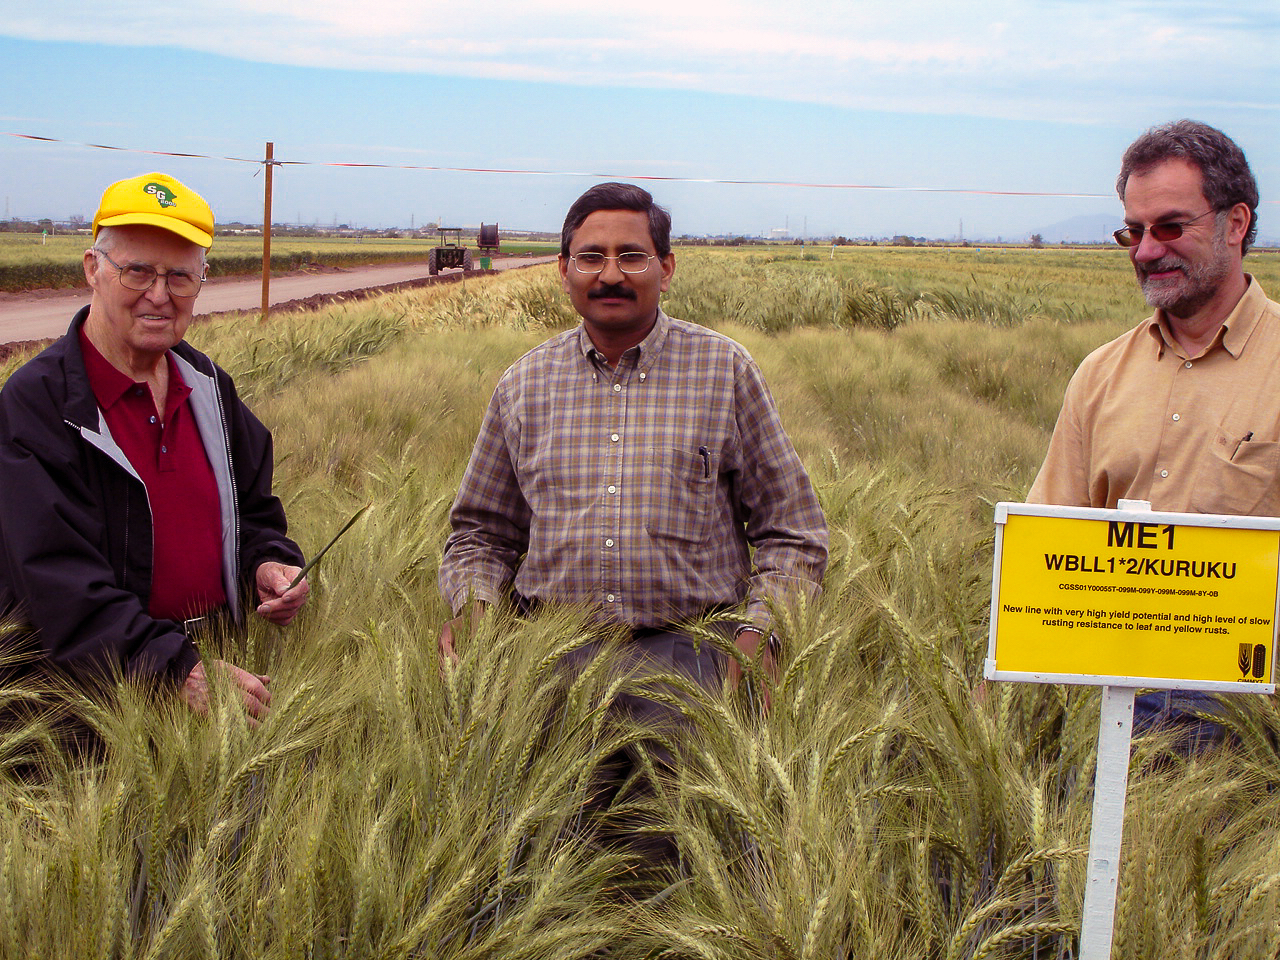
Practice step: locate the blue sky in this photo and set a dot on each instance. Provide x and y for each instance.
(925, 98)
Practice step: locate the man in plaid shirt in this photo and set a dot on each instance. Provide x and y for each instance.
(634, 461)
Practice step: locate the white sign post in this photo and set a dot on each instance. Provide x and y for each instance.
(1124, 599)
(1110, 787)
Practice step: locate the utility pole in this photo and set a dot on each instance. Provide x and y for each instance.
(269, 164)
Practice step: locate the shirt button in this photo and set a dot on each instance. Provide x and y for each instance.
(609, 542)
(1177, 417)
(642, 376)
(1187, 364)
(164, 449)
(610, 598)
(1164, 473)
(612, 488)
(153, 419)
(613, 437)
(617, 388)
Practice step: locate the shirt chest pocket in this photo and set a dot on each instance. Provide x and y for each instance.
(680, 487)
(1239, 478)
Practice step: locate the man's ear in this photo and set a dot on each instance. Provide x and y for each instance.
(1238, 220)
(563, 263)
(668, 269)
(91, 268)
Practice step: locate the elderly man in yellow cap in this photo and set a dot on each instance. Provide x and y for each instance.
(135, 487)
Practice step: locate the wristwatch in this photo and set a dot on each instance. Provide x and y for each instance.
(775, 645)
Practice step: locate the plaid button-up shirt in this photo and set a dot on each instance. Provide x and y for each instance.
(638, 490)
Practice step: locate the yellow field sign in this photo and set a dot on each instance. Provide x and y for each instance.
(1134, 598)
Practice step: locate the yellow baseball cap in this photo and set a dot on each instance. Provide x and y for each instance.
(157, 200)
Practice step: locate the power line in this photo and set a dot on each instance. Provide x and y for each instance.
(888, 188)
(571, 173)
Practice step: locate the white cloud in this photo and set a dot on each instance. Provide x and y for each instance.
(1074, 60)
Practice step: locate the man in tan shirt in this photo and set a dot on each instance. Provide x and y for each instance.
(1181, 410)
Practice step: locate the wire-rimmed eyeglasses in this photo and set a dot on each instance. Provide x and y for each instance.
(140, 276)
(1165, 232)
(632, 262)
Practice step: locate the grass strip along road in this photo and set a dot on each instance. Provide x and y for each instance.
(44, 314)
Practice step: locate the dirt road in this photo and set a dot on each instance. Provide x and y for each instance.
(43, 314)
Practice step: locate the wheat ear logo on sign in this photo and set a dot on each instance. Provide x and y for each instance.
(165, 196)
(1252, 660)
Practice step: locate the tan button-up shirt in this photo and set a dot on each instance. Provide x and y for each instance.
(1143, 421)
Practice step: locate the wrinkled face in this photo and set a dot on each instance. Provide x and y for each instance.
(141, 323)
(1183, 275)
(611, 302)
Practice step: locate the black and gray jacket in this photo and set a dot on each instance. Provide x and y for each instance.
(75, 521)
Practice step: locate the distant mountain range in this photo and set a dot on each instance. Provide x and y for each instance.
(1086, 228)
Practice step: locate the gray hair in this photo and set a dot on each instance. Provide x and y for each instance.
(1224, 172)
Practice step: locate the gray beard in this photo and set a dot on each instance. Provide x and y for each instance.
(1198, 284)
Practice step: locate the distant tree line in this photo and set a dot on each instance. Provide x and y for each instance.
(40, 226)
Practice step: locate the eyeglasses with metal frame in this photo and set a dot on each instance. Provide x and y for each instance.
(140, 276)
(1165, 232)
(633, 261)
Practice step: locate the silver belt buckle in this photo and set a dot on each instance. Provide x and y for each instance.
(189, 626)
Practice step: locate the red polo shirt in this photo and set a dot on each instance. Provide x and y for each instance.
(166, 452)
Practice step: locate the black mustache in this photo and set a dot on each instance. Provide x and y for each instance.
(613, 291)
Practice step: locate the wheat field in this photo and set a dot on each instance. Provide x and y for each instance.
(888, 805)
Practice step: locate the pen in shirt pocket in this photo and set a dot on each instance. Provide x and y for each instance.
(1245, 439)
(705, 454)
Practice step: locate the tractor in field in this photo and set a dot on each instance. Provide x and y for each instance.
(449, 253)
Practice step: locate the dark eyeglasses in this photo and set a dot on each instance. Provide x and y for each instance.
(140, 276)
(1164, 232)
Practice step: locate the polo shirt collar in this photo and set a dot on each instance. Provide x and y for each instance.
(109, 384)
(1236, 329)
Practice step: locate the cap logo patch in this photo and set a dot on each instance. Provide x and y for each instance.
(165, 196)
